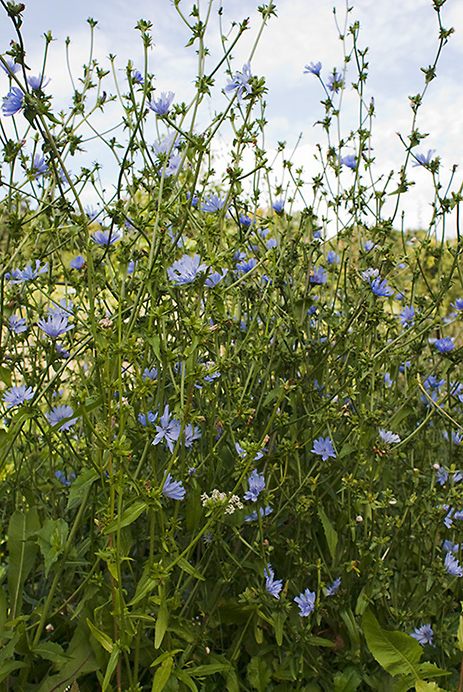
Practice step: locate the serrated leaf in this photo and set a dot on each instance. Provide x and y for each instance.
(396, 652)
(210, 669)
(347, 681)
(330, 533)
(51, 651)
(52, 540)
(162, 675)
(259, 674)
(22, 554)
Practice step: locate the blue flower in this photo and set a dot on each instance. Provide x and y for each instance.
(350, 161)
(77, 263)
(107, 237)
(388, 436)
(381, 288)
(263, 513)
(452, 566)
(14, 67)
(173, 165)
(39, 167)
(150, 417)
(137, 77)
(246, 266)
(131, 267)
(324, 448)
(407, 316)
(313, 68)
(167, 143)
(63, 478)
(368, 245)
(271, 243)
(387, 379)
(256, 485)
(318, 276)
(213, 203)
(214, 278)
(423, 634)
(18, 395)
(13, 102)
(306, 602)
(55, 326)
(169, 430)
(61, 351)
(64, 309)
(191, 434)
(369, 274)
(39, 82)
(173, 489)
(17, 324)
(243, 453)
(424, 159)
(28, 274)
(186, 270)
(278, 205)
(332, 257)
(458, 304)
(59, 413)
(335, 82)
(245, 221)
(240, 82)
(333, 588)
(161, 105)
(272, 585)
(150, 374)
(444, 345)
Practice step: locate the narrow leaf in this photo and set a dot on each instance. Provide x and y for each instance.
(161, 625)
(330, 533)
(127, 517)
(162, 675)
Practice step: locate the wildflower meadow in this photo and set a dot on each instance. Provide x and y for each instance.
(231, 433)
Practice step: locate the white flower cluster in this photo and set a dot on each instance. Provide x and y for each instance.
(231, 503)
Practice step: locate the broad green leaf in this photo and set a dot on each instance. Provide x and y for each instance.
(189, 569)
(396, 652)
(22, 554)
(111, 667)
(8, 667)
(330, 532)
(101, 637)
(79, 487)
(162, 675)
(259, 674)
(5, 375)
(52, 540)
(51, 651)
(127, 517)
(161, 624)
(422, 686)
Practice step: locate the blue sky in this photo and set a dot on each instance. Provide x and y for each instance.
(401, 36)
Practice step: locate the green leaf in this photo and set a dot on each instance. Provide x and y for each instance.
(460, 634)
(127, 517)
(330, 532)
(259, 674)
(51, 651)
(189, 569)
(396, 652)
(347, 681)
(22, 554)
(101, 637)
(112, 663)
(79, 486)
(422, 686)
(8, 667)
(162, 675)
(278, 621)
(161, 624)
(210, 669)
(186, 679)
(52, 540)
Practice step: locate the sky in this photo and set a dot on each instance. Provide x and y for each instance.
(401, 36)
